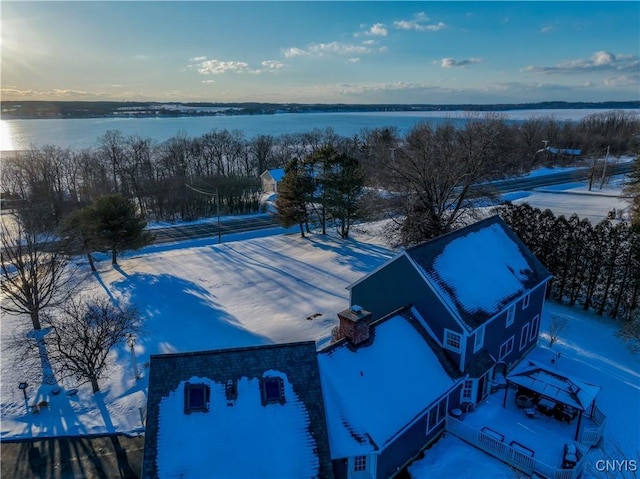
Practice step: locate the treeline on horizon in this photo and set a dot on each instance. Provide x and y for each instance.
(186, 178)
(33, 109)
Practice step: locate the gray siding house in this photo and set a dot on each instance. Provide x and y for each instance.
(479, 292)
(387, 388)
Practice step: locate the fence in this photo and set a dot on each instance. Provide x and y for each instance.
(591, 435)
(508, 454)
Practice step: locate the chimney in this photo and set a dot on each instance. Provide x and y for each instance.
(354, 324)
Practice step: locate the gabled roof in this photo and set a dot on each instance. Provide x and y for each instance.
(374, 391)
(276, 174)
(554, 384)
(479, 269)
(242, 437)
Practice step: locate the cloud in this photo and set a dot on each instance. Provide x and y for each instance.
(220, 67)
(601, 61)
(328, 49)
(453, 63)
(273, 65)
(208, 81)
(419, 23)
(353, 60)
(378, 30)
(547, 29)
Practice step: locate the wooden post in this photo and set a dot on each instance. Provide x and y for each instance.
(506, 389)
(578, 427)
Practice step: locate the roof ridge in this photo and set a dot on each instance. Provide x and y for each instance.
(236, 349)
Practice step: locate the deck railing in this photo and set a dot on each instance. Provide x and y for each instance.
(508, 454)
(589, 436)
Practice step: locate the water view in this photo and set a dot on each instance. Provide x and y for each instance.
(83, 133)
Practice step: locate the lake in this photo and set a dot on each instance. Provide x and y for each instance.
(84, 133)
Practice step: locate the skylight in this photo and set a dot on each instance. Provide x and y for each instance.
(196, 398)
(272, 390)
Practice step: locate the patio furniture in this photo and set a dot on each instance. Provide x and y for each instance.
(492, 434)
(569, 457)
(531, 412)
(524, 402)
(546, 406)
(522, 449)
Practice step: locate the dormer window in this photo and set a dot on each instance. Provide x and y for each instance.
(452, 340)
(196, 398)
(511, 315)
(525, 301)
(272, 390)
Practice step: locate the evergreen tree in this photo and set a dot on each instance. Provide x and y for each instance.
(632, 188)
(293, 192)
(112, 223)
(341, 185)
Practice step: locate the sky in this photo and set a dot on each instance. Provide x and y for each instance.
(360, 52)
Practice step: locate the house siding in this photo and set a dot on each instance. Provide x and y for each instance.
(398, 284)
(497, 333)
(406, 447)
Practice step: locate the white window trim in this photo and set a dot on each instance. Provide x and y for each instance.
(442, 405)
(446, 344)
(511, 315)
(471, 390)
(478, 341)
(534, 331)
(524, 336)
(511, 340)
(526, 300)
(360, 463)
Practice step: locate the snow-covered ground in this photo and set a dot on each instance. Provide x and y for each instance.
(272, 287)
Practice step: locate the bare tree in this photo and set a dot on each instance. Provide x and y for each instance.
(435, 173)
(36, 274)
(556, 328)
(82, 336)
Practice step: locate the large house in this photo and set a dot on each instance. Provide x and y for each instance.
(423, 336)
(479, 292)
(237, 413)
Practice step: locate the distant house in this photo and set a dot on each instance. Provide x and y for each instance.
(387, 390)
(245, 412)
(479, 292)
(270, 180)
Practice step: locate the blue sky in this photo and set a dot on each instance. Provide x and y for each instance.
(321, 52)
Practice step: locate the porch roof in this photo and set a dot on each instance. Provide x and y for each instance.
(554, 384)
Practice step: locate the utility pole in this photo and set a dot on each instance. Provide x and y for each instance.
(604, 168)
(215, 195)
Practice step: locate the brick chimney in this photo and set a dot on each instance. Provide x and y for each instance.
(354, 324)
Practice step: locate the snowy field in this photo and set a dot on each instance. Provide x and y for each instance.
(273, 287)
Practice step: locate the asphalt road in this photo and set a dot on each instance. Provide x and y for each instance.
(259, 222)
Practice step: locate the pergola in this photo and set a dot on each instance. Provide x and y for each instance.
(554, 386)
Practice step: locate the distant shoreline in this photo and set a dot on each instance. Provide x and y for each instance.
(28, 110)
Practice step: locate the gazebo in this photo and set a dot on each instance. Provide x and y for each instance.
(554, 392)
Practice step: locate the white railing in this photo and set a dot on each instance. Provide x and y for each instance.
(508, 454)
(590, 436)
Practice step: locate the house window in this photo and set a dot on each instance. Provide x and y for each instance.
(196, 398)
(506, 348)
(360, 463)
(525, 301)
(272, 390)
(524, 336)
(467, 391)
(535, 323)
(511, 316)
(436, 415)
(452, 340)
(479, 340)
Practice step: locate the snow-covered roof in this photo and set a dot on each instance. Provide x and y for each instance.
(554, 384)
(276, 174)
(479, 269)
(276, 439)
(397, 372)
